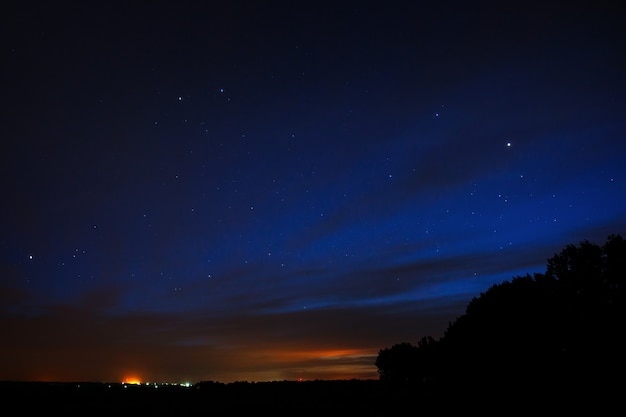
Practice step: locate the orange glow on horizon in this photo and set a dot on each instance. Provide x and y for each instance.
(132, 380)
(322, 354)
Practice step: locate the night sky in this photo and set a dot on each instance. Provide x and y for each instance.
(255, 191)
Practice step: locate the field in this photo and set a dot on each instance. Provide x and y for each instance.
(282, 397)
(327, 398)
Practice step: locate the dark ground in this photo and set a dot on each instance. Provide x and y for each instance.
(350, 397)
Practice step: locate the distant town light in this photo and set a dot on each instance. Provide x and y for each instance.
(132, 381)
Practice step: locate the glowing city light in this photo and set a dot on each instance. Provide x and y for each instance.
(132, 380)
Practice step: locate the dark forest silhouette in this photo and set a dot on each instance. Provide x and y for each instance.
(558, 330)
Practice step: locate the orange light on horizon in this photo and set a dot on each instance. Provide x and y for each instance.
(131, 380)
(321, 354)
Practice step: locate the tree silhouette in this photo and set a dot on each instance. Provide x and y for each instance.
(398, 363)
(564, 327)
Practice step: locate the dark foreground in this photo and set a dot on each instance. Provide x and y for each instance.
(328, 398)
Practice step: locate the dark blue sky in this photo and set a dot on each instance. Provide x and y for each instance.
(275, 190)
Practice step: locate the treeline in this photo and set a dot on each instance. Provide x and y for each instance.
(560, 329)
